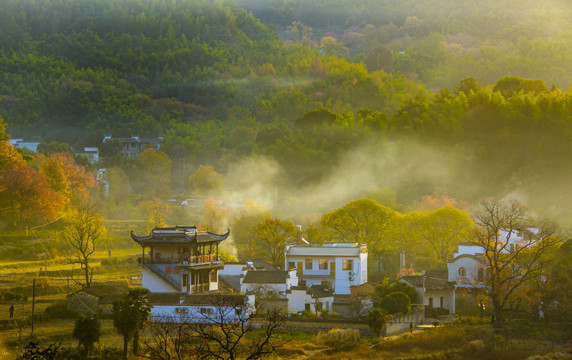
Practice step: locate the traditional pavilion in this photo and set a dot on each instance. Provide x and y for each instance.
(180, 259)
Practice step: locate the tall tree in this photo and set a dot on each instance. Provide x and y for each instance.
(25, 195)
(270, 238)
(83, 231)
(244, 223)
(442, 230)
(156, 173)
(516, 249)
(362, 221)
(130, 314)
(206, 180)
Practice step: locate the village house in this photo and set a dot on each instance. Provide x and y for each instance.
(336, 266)
(468, 268)
(179, 267)
(437, 295)
(131, 147)
(97, 299)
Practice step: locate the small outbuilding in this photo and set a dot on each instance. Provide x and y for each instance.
(97, 299)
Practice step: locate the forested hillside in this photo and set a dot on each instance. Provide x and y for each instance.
(317, 102)
(140, 67)
(437, 41)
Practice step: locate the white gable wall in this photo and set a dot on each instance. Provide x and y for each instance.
(154, 283)
(471, 266)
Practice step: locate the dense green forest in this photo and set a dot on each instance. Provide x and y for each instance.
(317, 103)
(438, 41)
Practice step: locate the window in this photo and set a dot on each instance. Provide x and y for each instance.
(323, 265)
(213, 277)
(462, 271)
(206, 311)
(307, 307)
(348, 264)
(431, 302)
(291, 265)
(308, 264)
(441, 302)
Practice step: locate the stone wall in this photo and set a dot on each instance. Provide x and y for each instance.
(83, 303)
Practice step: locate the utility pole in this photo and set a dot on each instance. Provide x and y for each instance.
(33, 305)
(423, 304)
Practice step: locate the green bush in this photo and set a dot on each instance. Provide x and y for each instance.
(396, 302)
(59, 310)
(10, 296)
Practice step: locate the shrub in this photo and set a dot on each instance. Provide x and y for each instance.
(396, 302)
(476, 346)
(341, 339)
(111, 353)
(343, 335)
(59, 310)
(9, 296)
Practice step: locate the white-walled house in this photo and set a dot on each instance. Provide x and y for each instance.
(432, 292)
(337, 266)
(314, 299)
(200, 308)
(180, 259)
(266, 282)
(468, 270)
(179, 267)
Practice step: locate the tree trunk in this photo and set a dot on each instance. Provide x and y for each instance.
(125, 346)
(87, 284)
(498, 313)
(136, 342)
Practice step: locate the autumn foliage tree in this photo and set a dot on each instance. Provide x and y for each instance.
(270, 238)
(84, 229)
(516, 249)
(25, 195)
(362, 221)
(206, 180)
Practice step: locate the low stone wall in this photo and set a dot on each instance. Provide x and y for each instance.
(313, 326)
(402, 324)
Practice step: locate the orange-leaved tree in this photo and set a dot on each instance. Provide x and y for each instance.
(25, 195)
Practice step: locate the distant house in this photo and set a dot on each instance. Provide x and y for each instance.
(91, 153)
(21, 144)
(433, 292)
(131, 147)
(337, 266)
(469, 268)
(97, 299)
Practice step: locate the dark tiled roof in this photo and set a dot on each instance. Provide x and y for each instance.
(318, 291)
(431, 283)
(265, 277)
(179, 234)
(233, 281)
(260, 264)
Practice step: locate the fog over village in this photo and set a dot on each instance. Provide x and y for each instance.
(280, 179)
